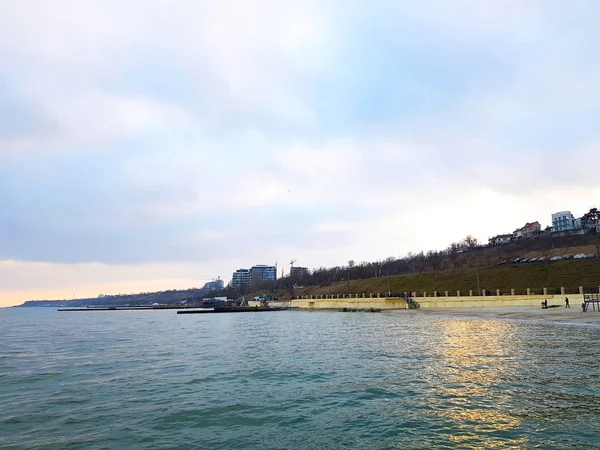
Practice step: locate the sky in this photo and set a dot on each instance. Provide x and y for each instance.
(152, 145)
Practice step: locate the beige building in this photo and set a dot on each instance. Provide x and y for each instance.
(531, 229)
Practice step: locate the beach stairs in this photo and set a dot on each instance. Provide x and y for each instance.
(411, 303)
(593, 300)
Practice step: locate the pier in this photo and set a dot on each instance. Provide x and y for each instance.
(231, 309)
(121, 308)
(180, 309)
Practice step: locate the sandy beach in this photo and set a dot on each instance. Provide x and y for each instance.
(561, 314)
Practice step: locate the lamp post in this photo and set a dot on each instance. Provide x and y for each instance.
(477, 276)
(348, 280)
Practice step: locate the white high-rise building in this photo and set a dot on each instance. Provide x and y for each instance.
(563, 221)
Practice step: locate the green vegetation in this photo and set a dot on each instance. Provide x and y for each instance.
(552, 275)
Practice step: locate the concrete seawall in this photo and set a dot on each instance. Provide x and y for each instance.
(496, 301)
(492, 301)
(354, 303)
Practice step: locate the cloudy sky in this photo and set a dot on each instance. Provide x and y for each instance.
(149, 145)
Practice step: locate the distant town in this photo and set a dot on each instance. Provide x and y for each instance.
(529, 243)
(563, 224)
(264, 276)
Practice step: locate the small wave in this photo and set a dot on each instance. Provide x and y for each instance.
(70, 420)
(68, 401)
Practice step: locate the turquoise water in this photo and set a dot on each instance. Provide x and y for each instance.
(294, 380)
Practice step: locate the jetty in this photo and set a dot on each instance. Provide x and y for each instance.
(181, 309)
(121, 308)
(231, 309)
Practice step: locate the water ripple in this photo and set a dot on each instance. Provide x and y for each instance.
(294, 380)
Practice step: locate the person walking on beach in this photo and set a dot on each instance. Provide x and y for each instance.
(567, 302)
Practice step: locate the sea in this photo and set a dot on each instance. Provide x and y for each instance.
(294, 380)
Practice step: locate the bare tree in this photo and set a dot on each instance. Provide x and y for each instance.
(470, 241)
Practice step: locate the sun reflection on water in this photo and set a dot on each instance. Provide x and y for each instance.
(474, 360)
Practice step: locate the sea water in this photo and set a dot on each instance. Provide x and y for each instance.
(294, 380)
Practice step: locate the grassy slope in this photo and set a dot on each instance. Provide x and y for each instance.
(568, 274)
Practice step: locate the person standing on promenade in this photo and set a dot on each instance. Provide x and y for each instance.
(567, 302)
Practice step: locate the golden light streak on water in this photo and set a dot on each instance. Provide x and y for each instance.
(476, 356)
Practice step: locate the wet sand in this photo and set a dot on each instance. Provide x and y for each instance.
(561, 314)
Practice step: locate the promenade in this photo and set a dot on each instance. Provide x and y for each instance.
(563, 315)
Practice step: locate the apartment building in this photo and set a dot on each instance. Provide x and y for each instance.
(241, 277)
(563, 221)
(298, 272)
(263, 272)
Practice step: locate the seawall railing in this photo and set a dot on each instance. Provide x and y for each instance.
(411, 296)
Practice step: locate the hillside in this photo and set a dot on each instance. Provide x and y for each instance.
(553, 275)
(172, 297)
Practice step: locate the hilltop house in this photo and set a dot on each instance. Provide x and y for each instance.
(501, 239)
(531, 229)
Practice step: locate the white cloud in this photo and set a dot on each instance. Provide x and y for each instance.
(89, 118)
(256, 112)
(97, 115)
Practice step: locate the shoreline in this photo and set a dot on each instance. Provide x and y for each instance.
(550, 315)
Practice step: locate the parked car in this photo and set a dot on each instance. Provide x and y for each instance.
(567, 256)
(580, 256)
(556, 258)
(542, 259)
(591, 255)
